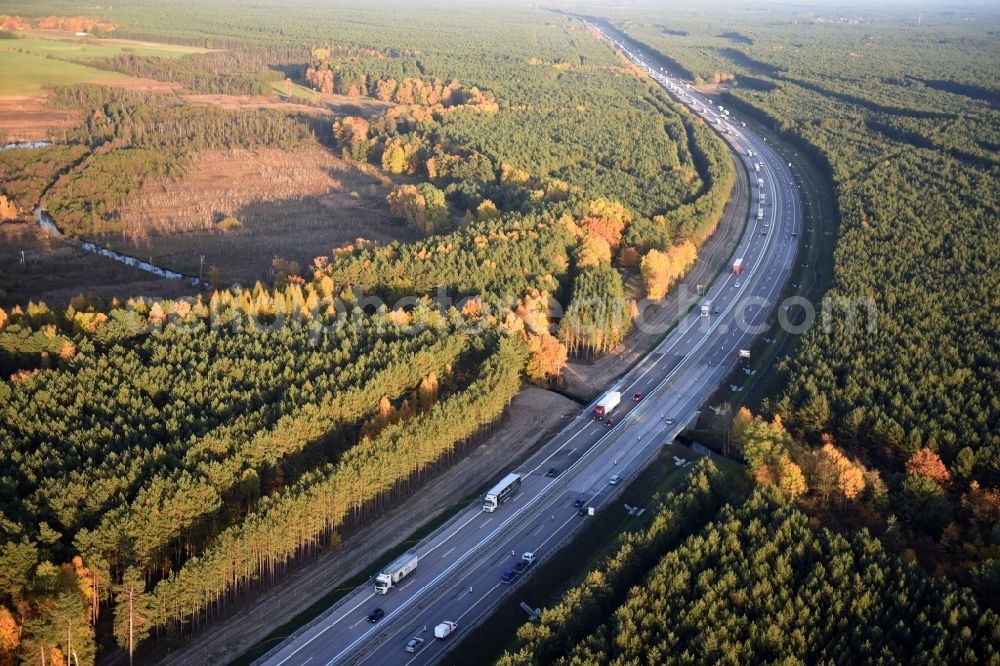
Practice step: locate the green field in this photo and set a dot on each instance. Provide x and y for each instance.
(298, 90)
(25, 74)
(27, 64)
(89, 49)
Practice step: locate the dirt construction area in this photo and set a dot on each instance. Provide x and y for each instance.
(295, 205)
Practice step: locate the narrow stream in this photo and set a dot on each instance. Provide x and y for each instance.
(25, 144)
(49, 225)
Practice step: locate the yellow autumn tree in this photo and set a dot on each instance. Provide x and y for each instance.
(487, 210)
(394, 158)
(789, 476)
(830, 471)
(10, 637)
(592, 251)
(654, 269)
(661, 269)
(741, 422)
(510, 174)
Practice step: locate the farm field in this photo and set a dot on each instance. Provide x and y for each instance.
(28, 74)
(30, 64)
(65, 47)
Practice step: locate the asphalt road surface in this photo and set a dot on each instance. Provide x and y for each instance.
(459, 574)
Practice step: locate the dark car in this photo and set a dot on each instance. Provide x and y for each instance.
(552, 473)
(608, 423)
(583, 511)
(509, 576)
(521, 566)
(580, 502)
(376, 615)
(637, 397)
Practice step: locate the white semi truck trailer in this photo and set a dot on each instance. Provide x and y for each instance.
(397, 570)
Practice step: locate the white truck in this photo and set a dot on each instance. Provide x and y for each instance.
(706, 308)
(760, 183)
(738, 266)
(749, 153)
(762, 197)
(760, 213)
(756, 167)
(607, 402)
(445, 629)
(397, 570)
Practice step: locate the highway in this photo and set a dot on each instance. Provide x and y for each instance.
(458, 577)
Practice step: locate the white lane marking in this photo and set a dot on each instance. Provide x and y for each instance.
(449, 552)
(645, 372)
(326, 628)
(558, 449)
(454, 532)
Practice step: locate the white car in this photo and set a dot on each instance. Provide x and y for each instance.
(614, 480)
(737, 285)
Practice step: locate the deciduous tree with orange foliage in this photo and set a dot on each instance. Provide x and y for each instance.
(607, 219)
(8, 209)
(10, 638)
(548, 356)
(928, 464)
(351, 135)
